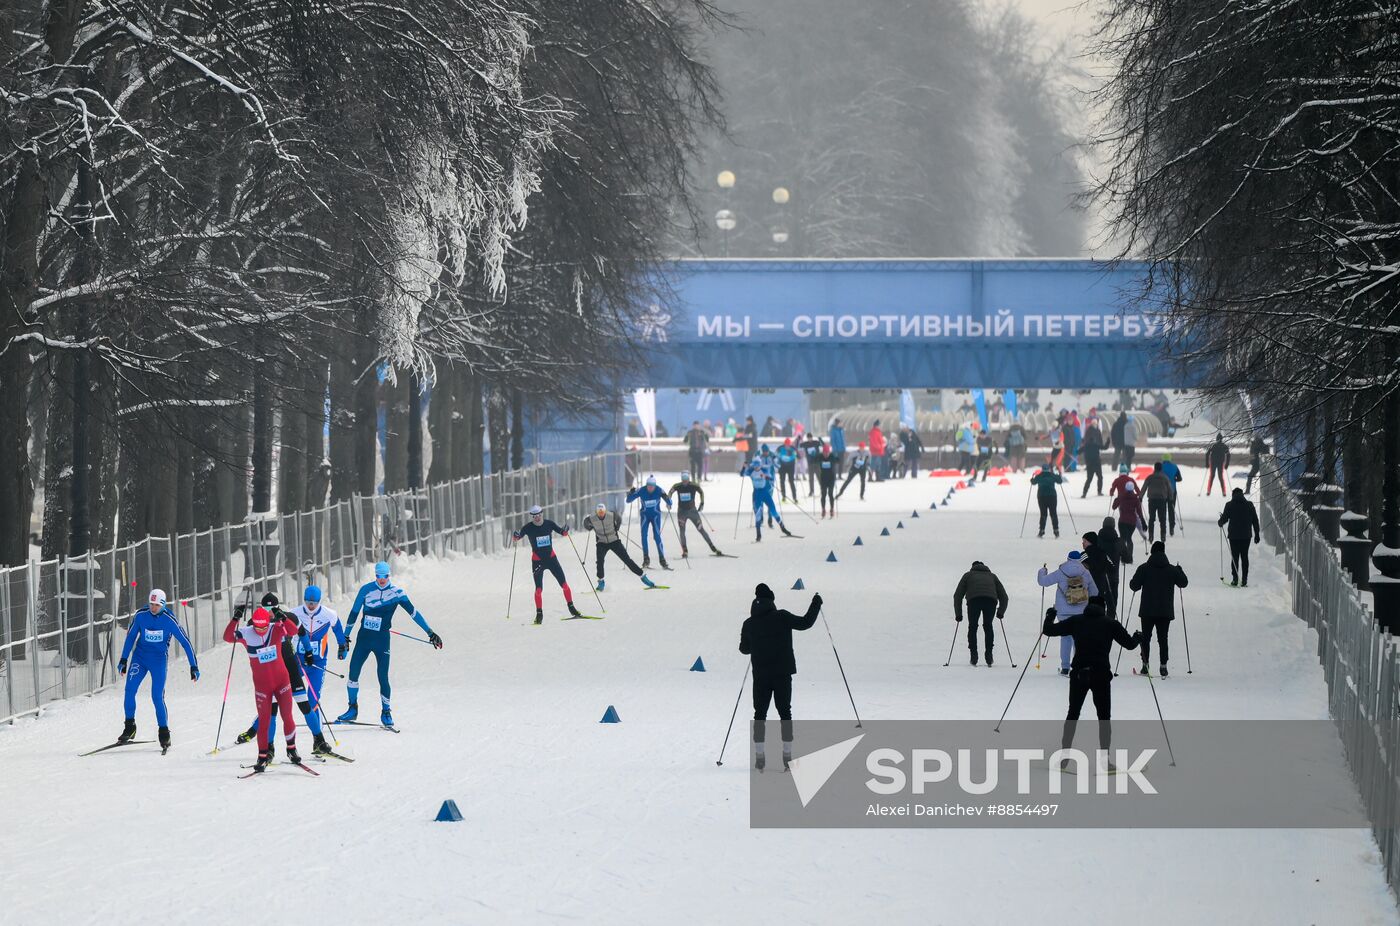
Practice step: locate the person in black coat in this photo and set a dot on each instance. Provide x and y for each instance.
(1239, 520)
(1099, 566)
(1157, 579)
(1109, 544)
(1094, 634)
(766, 638)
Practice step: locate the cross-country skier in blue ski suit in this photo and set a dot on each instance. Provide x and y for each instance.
(378, 600)
(761, 475)
(320, 623)
(152, 628)
(651, 498)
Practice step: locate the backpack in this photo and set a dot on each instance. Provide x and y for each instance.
(1076, 592)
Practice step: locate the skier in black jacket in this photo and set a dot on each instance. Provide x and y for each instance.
(1257, 449)
(1094, 635)
(1158, 579)
(1239, 519)
(1100, 567)
(986, 598)
(766, 638)
(1111, 547)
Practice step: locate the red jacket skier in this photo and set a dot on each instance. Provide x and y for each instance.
(272, 654)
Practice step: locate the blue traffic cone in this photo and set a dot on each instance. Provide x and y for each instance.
(610, 716)
(913, 514)
(449, 813)
(899, 526)
(831, 557)
(798, 586)
(933, 505)
(858, 543)
(699, 665)
(884, 532)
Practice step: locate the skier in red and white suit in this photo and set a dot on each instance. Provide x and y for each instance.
(272, 653)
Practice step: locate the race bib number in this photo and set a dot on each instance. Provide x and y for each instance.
(373, 623)
(155, 636)
(653, 503)
(543, 541)
(267, 654)
(826, 464)
(685, 496)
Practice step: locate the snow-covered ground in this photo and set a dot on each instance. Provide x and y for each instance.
(567, 819)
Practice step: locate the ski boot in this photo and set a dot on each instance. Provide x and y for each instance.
(539, 615)
(321, 747)
(1065, 672)
(974, 657)
(664, 564)
(1144, 669)
(716, 551)
(600, 585)
(386, 719)
(128, 732)
(783, 527)
(787, 756)
(1040, 536)
(1057, 535)
(264, 760)
(292, 755)
(163, 736)
(249, 734)
(646, 580)
(271, 751)
(573, 610)
(759, 761)
(1162, 670)
(685, 554)
(989, 659)
(646, 561)
(351, 715)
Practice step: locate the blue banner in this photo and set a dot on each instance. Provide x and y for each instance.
(1010, 402)
(906, 409)
(979, 401)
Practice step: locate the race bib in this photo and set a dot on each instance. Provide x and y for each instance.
(372, 623)
(543, 541)
(826, 464)
(685, 496)
(155, 636)
(654, 503)
(267, 654)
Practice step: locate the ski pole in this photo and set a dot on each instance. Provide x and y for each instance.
(1162, 719)
(1181, 593)
(842, 668)
(1006, 641)
(738, 511)
(1065, 496)
(330, 671)
(1027, 513)
(409, 636)
(510, 595)
(1042, 611)
(952, 644)
(316, 700)
(1027, 665)
(1119, 661)
(585, 570)
(232, 650)
(1222, 554)
(737, 699)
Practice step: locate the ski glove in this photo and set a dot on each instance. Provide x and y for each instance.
(342, 650)
(817, 602)
(121, 667)
(435, 640)
(308, 659)
(1051, 613)
(194, 673)
(238, 612)
(958, 618)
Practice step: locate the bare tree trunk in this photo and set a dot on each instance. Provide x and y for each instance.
(444, 423)
(58, 458)
(396, 435)
(499, 429)
(517, 430)
(293, 462)
(262, 443)
(415, 433)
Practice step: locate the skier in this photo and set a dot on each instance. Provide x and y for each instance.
(1217, 461)
(766, 638)
(986, 596)
(272, 655)
(837, 439)
(318, 623)
(1157, 579)
(1130, 518)
(859, 464)
(811, 449)
(1096, 560)
(913, 450)
(966, 438)
(1124, 480)
(543, 558)
(379, 599)
(1173, 473)
(1093, 456)
(606, 527)
(697, 441)
(1257, 449)
(1016, 447)
(651, 498)
(983, 467)
(787, 469)
(152, 628)
(1057, 445)
(1239, 520)
(1047, 497)
(762, 478)
(826, 475)
(1158, 490)
(1074, 586)
(1115, 439)
(690, 499)
(1111, 547)
(1092, 636)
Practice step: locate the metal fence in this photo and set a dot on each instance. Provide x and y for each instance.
(1359, 660)
(62, 620)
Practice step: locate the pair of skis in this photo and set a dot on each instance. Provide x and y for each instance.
(116, 745)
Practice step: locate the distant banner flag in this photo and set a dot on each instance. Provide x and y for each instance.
(979, 399)
(1011, 402)
(645, 401)
(906, 408)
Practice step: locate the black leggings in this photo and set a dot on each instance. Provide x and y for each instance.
(855, 471)
(1157, 514)
(1081, 683)
(692, 516)
(787, 480)
(1239, 558)
(615, 547)
(1162, 625)
(1049, 505)
(827, 493)
(1094, 469)
(983, 610)
(778, 690)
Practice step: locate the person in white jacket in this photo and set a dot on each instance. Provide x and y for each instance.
(1074, 586)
